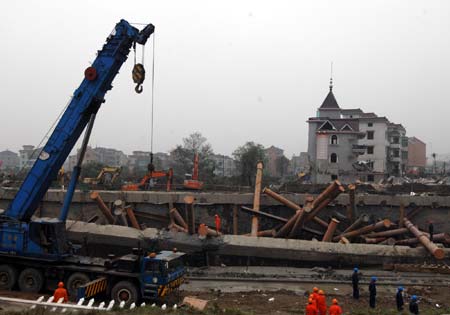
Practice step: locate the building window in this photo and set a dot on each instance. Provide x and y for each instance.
(370, 135)
(370, 124)
(333, 158)
(395, 140)
(334, 177)
(370, 149)
(334, 139)
(404, 155)
(396, 153)
(370, 178)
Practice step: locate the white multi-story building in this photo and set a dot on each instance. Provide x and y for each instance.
(28, 155)
(349, 144)
(225, 165)
(9, 160)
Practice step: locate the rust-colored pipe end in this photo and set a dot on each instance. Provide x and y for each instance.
(439, 253)
(387, 223)
(94, 195)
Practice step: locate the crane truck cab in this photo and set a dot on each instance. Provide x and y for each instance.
(137, 276)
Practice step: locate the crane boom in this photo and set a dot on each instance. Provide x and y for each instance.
(85, 102)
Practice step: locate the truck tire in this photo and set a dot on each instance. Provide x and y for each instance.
(125, 291)
(8, 277)
(74, 281)
(31, 280)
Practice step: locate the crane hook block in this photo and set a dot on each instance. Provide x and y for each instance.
(90, 73)
(138, 76)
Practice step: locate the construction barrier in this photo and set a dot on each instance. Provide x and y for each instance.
(92, 288)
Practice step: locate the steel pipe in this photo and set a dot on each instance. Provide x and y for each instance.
(364, 218)
(281, 199)
(132, 217)
(288, 226)
(388, 233)
(386, 223)
(178, 218)
(440, 237)
(257, 197)
(324, 194)
(437, 252)
(328, 237)
(102, 206)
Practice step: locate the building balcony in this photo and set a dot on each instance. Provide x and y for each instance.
(394, 145)
(395, 159)
(359, 149)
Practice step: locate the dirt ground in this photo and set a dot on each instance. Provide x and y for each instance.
(284, 302)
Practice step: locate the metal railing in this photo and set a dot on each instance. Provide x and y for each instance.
(63, 307)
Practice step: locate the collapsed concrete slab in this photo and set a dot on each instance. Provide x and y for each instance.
(104, 239)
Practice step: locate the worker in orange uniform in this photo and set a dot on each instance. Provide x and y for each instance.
(316, 296)
(217, 218)
(322, 303)
(60, 292)
(335, 309)
(311, 308)
(311, 297)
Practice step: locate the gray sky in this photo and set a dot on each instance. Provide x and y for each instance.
(233, 70)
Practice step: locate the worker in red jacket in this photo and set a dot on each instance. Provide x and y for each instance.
(60, 292)
(311, 308)
(335, 309)
(217, 219)
(322, 303)
(316, 296)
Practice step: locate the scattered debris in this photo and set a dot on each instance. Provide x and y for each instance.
(195, 303)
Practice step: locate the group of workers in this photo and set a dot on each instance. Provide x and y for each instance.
(413, 305)
(317, 304)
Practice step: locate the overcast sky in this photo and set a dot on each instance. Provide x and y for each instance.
(233, 70)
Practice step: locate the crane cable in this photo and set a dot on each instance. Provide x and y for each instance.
(138, 75)
(153, 99)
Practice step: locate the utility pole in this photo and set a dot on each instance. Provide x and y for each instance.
(434, 162)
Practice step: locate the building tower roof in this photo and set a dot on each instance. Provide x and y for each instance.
(330, 101)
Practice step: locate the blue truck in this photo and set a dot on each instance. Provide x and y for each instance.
(35, 252)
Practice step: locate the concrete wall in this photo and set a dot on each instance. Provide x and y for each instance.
(436, 208)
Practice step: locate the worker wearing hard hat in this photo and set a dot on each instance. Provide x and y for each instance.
(413, 306)
(322, 303)
(335, 309)
(372, 291)
(355, 283)
(316, 296)
(311, 308)
(399, 299)
(60, 292)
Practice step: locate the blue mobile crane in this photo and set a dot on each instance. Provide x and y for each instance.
(36, 250)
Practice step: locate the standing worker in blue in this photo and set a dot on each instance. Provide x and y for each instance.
(372, 291)
(413, 306)
(355, 283)
(399, 299)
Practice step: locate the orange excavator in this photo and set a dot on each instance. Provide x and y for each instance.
(147, 183)
(191, 181)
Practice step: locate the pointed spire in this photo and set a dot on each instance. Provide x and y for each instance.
(331, 77)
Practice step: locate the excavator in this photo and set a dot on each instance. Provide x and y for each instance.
(148, 182)
(191, 182)
(106, 177)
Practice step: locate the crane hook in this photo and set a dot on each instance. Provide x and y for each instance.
(139, 88)
(138, 76)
